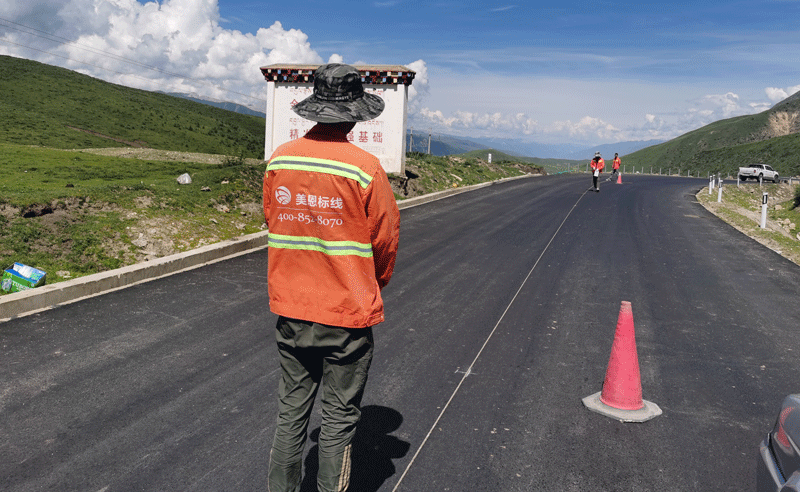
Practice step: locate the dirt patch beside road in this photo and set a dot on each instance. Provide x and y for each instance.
(146, 154)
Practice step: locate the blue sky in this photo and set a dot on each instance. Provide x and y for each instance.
(577, 72)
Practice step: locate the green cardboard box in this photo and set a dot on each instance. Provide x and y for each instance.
(22, 277)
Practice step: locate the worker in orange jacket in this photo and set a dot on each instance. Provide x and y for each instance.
(333, 235)
(615, 167)
(597, 164)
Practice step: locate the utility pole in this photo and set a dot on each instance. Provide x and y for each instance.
(429, 140)
(411, 140)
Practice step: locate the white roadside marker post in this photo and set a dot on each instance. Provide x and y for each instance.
(764, 200)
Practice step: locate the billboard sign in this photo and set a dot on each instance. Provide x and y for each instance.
(383, 137)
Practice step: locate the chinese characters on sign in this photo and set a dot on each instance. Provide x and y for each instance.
(383, 137)
(367, 135)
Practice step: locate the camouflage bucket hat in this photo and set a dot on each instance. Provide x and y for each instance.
(339, 97)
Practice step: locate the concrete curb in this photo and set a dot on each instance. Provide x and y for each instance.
(419, 200)
(28, 302)
(31, 301)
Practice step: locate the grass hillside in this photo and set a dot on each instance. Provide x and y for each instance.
(73, 213)
(770, 137)
(88, 172)
(740, 206)
(53, 107)
(550, 166)
(430, 173)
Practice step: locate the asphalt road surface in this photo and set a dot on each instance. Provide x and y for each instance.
(500, 319)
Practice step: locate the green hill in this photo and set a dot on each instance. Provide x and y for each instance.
(551, 166)
(53, 107)
(770, 137)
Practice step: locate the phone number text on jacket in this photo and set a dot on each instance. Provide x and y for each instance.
(304, 218)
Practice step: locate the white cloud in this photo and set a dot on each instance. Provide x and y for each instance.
(587, 127)
(419, 87)
(147, 45)
(776, 94)
(617, 124)
(150, 43)
(702, 111)
(715, 107)
(497, 123)
(757, 107)
(726, 104)
(654, 126)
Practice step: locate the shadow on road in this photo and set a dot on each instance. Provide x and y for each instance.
(373, 451)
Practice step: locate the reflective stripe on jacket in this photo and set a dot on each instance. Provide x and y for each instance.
(333, 231)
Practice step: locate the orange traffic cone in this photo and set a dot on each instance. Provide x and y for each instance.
(621, 397)
(619, 178)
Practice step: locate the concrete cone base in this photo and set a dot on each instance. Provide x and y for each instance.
(649, 411)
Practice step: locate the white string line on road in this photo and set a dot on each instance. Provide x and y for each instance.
(486, 342)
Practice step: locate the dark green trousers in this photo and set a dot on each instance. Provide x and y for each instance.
(311, 355)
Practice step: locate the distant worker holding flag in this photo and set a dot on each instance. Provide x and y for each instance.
(597, 164)
(614, 167)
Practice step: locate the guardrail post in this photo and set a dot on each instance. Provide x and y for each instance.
(764, 200)
(710, 183)
(719, 193)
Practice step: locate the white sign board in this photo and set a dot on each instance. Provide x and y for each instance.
(384, 137)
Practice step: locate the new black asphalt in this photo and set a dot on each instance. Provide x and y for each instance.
(500, 319)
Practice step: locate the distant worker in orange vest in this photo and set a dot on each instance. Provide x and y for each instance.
(334, 227)
(615, 167)
(597, 165)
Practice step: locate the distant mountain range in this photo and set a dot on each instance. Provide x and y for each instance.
(230, 106)
(443, 144)
(608, 150)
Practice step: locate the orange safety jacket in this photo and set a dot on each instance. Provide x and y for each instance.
(598, 164)
(334, 228)
(617, 162)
